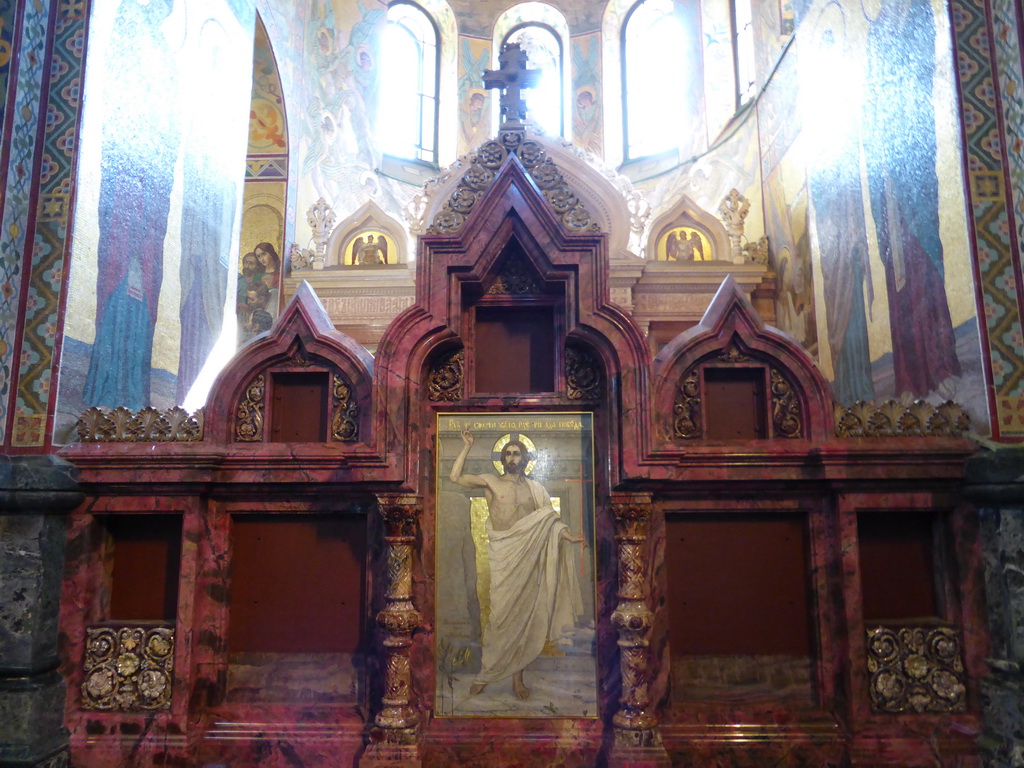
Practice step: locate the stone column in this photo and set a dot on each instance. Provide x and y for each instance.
(637, 739)
(996, 487)
(37, 492)
(395, 735)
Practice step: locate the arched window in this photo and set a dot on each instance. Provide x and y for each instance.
(743, 50)
(544, 51)
(653, 36)
(410, 83)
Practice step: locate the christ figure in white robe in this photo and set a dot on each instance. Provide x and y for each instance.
(535, 593)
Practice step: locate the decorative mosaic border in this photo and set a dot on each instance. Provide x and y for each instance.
(7, 15)
(49, 252)
(989, 210)
(19, 184)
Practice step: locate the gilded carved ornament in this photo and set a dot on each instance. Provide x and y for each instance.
(898, 419)
(785, 407)
(444, 381)
(121, 425)
(915, 670)
(582, 374)
(128, 668)
(686, 409)
(482, 171)
(249, 413)
(514, 279)
(344, 422)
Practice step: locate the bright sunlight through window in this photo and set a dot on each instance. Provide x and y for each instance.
(655, 115)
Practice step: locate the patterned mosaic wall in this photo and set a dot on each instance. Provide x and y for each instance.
(29, 299)
(35, 206)
(7, 16)
(48, 269)
(998, 264)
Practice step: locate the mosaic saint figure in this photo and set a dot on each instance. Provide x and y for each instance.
(900, 150)
(141, 138)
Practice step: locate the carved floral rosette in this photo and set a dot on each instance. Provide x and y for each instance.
(897, 419)
(121, 425)
(635, 723)
(916, 669)
(398, 717)
(128, 668)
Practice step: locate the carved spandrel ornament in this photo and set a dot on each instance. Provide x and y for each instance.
(915, 670)
(345, 410)
(444, 382)
(583, 378)
(687, 423)
(121, 425)
(514, 279)
(542, 169)
(786, 419)
(249, 413)
(894, 418)
(128, 668)
(733, 355)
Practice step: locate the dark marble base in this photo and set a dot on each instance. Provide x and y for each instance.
(35, 494)
(1002, 744)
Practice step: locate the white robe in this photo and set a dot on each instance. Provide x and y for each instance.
(535, 594)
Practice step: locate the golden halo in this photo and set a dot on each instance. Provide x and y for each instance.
(499, 446)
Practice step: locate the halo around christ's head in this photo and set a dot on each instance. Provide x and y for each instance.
(499, 446)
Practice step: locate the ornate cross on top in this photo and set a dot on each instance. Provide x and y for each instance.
(511, 78)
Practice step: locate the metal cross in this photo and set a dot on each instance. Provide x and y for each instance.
(512, 77)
